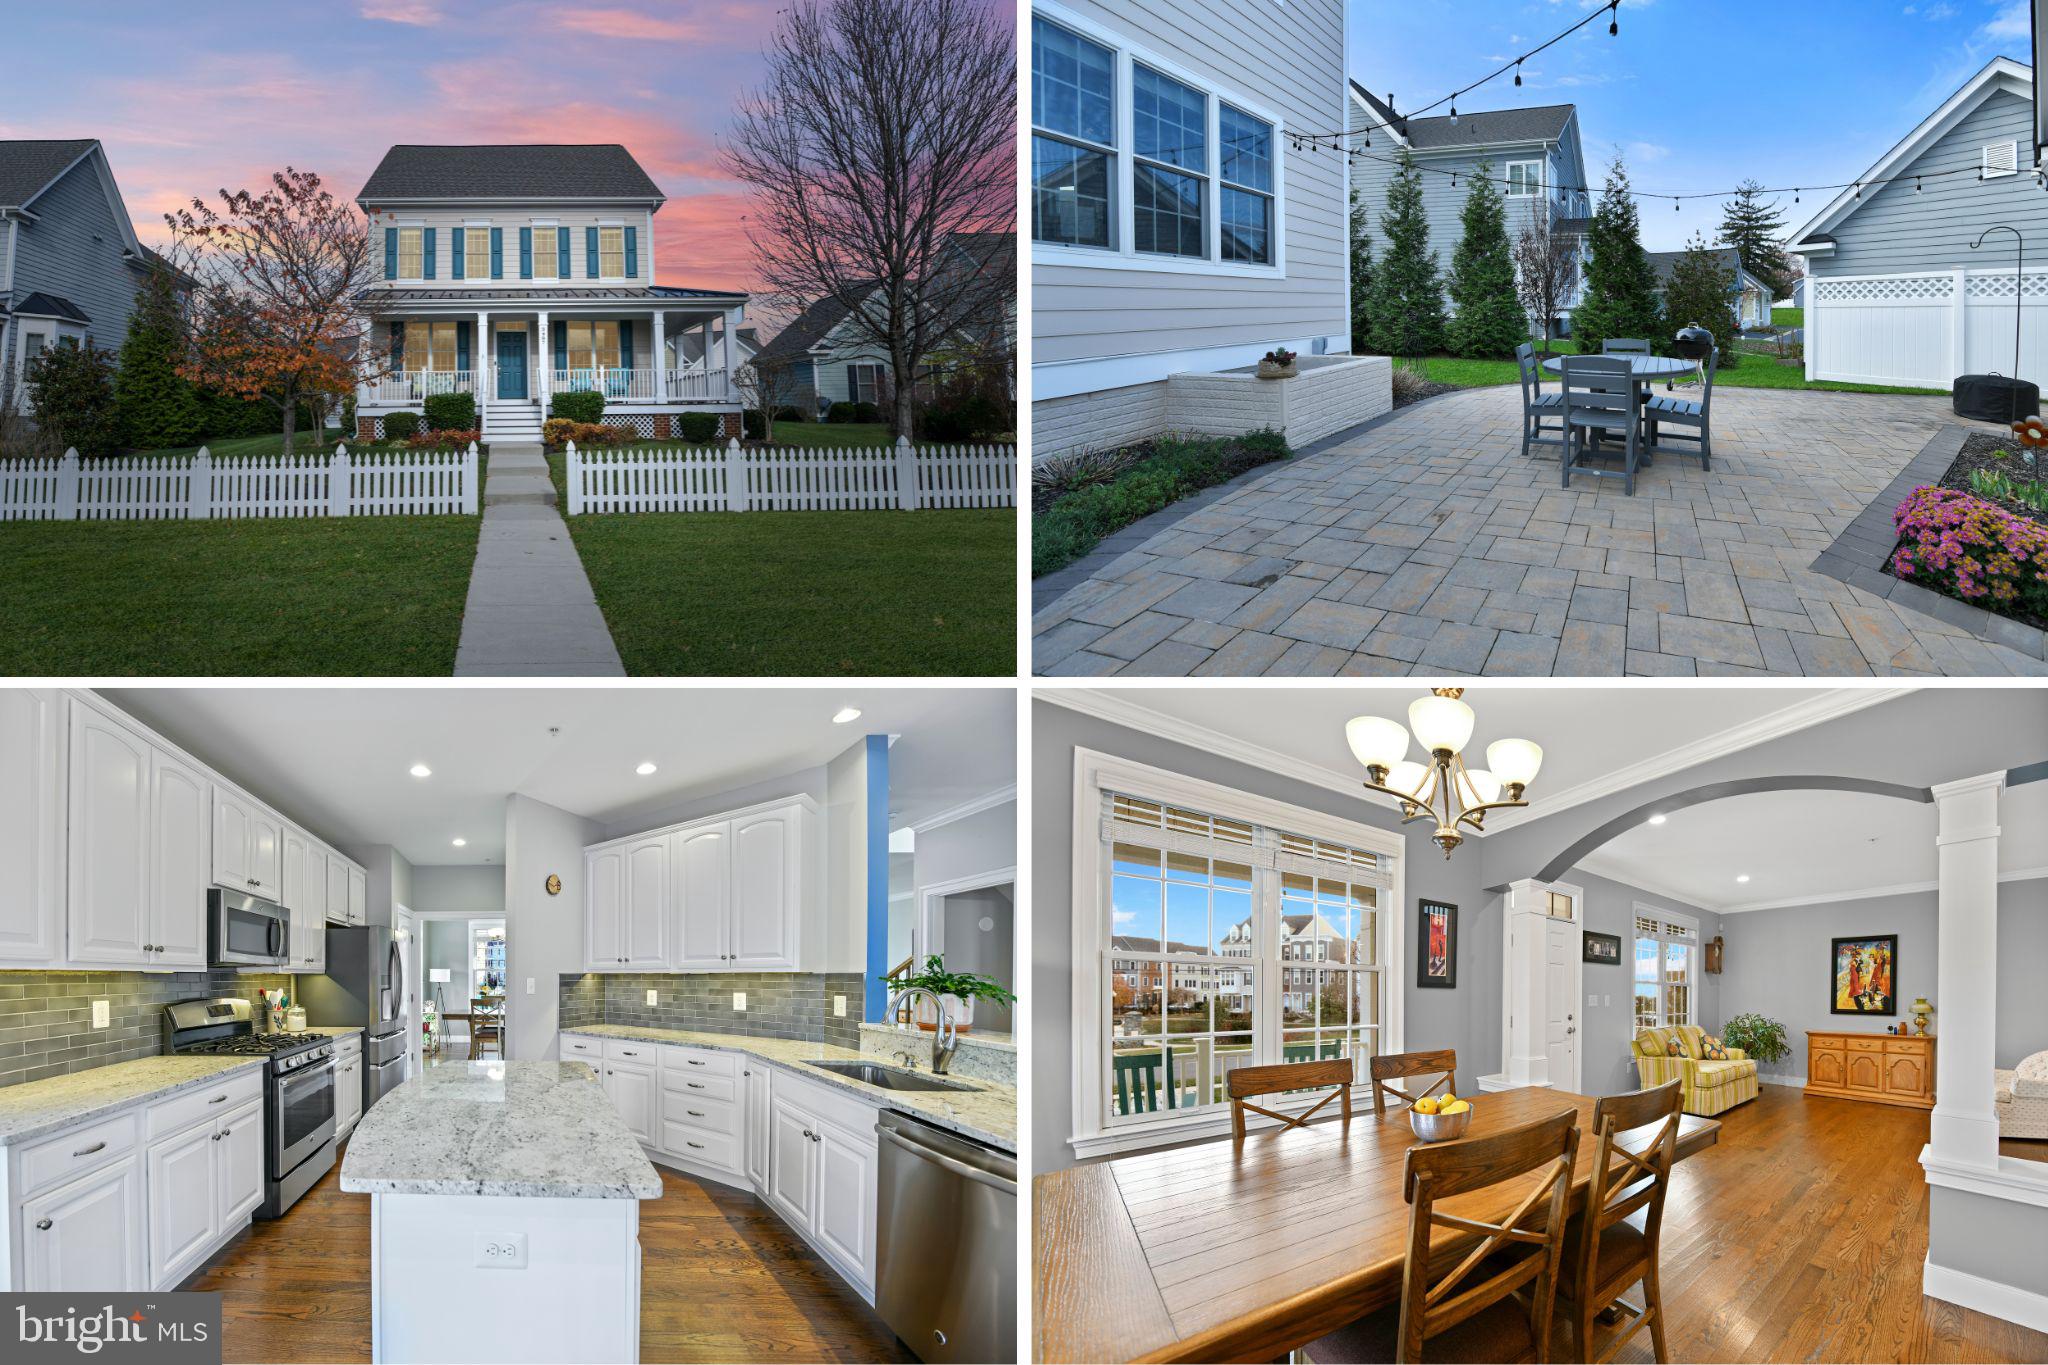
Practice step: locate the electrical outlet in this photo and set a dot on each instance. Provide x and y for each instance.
(739, 1000)
(501, 1250)
(653, 999)
(838, 1007)
(102, 1013)
(1591, 998)
(529, 985)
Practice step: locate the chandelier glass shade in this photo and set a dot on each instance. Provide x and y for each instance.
(1443, 789)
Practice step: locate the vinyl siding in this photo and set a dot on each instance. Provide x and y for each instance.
(1287, 59)
(1897, 229)
(831, 370)
(73, 251)
(511, 219)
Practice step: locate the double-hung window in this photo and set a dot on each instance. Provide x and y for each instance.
(1246, 197)
(864, 383)
(1666, 967)
(1170, 135)
(611, 253)
(476, 253)
(1073, 138)
(430, 346)
(412, 260)
(546, 265)
(1525, 179)
(586, 344)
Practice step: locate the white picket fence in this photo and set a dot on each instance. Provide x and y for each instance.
(736, 479)
(151, 487)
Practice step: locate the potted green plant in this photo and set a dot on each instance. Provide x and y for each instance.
(959, 989)
(1277, 363)
(1761, 1039)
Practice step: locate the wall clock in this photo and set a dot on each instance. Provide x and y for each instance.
(554, 885)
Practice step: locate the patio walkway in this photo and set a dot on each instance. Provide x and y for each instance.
(1429, 545)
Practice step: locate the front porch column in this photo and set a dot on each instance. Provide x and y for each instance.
(485, 362)
(660, 361)
(1526, 917)
(1964, 1128)
(543, 362)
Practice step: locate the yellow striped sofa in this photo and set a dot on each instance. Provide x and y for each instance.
(1710, 1087)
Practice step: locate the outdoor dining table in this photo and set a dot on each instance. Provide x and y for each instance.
(1643, 370)
(1228, 1251)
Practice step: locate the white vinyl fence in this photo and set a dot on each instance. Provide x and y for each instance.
(380, 483)
(735, 479)
(1922, 330)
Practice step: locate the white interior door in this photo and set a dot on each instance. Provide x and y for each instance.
(1561, 1028)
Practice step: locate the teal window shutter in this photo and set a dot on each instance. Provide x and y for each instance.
(462, 345)
(561, 332)
(590, 253)
(563, 270)
(457, 241)
(427, 236)
(497, 253)
(398, 346)
(632, 253)
(526, 253)
(625, 345)
(390, 253)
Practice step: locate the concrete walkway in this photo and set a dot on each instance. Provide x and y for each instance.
(531, 612)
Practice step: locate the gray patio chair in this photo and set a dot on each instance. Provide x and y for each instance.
(1539, 409)
(1599, 401)
(1624, 346)
(1662, 410)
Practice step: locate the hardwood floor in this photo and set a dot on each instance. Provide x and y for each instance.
(721, 1280)
(2026, 1149)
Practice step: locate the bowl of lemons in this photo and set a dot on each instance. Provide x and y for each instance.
(1440, 1118)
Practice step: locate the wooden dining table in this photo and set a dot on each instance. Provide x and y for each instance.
(1229, 1251)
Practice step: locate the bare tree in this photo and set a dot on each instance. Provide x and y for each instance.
(1546, 267)
(885, 128)
(764, 381)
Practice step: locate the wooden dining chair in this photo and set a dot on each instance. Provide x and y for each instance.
(1612, 1241)
(1397, 1064)
(1246, 1081)
(1495, 1301)
(484, 1030)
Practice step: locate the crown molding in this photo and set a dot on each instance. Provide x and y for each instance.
(1614, 872)
(986, 801)
(2018, 874)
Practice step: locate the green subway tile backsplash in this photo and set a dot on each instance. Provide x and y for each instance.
(779, 1004)
(46, 1017)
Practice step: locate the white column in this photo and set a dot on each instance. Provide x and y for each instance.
(483, 363)
(1959, 321)
(729, 346)
(660, 360)
(1525, 916)
(1964, 1128)
(544, 361)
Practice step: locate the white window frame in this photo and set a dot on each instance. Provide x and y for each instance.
(1539, 181)
(552, 227)
(1109, 152)
(605, 225)
(1122, 256)
(874, 375)
(1663, 940)
(1097, 773)
(2009, 152)
(403, 228)
(469, 257)
(51, 330)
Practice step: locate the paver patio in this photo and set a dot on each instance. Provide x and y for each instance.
(1429, 544)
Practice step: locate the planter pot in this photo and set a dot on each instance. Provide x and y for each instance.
(1270, 370)
(961, 1010)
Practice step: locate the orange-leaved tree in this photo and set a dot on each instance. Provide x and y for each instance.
(277, 314)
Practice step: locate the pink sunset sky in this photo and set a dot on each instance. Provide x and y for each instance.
(190, 98)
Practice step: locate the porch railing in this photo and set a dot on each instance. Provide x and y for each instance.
(410, 386)
(623, 384)
(708, 385)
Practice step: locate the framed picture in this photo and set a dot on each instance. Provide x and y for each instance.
(1436, 957)
(1600, 948)
(1862, 973)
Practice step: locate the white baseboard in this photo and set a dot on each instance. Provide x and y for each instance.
(1797, 1082)
(2013, 1304)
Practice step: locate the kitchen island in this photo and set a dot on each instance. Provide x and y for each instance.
(504, 1218)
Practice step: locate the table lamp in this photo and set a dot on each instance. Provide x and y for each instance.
(1921, 1011)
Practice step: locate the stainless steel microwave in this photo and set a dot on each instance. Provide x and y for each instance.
(246, 931)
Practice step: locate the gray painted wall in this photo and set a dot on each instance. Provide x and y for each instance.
(989, 952)
(1607, 1065)
(543, 933)
(472, 890)
(1993, 1239)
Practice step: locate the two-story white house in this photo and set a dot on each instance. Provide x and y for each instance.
(519, 272)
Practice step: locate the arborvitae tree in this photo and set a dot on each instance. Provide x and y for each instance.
(158, 406)
(1361, 275)
(72, 387)
(1702, 292)
(1407, 297)
(1488, 321)
(1755, 228)
(1621, 288)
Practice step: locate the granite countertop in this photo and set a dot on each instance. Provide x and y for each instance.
(530, 1129)
(333, 1030)
(36, 1108)
(985, 1111)
(974, 1036)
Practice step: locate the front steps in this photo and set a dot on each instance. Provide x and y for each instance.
(514, 422)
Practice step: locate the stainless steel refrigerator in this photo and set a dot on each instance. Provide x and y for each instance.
(365, 988)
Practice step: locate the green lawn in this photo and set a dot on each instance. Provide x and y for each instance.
(1755, 372)
(270, 443)
(790, 593)
(1788, 317)
(358, 596)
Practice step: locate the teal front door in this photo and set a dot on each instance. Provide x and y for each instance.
(511, 364)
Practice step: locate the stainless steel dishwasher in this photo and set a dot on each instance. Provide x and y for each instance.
(946, 1243)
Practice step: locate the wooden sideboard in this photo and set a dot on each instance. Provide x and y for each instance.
(1883, 1068)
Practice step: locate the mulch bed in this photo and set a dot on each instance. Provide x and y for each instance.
(1428, 388)
(1980, 451)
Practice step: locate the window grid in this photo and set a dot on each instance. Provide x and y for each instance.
(611, 253)
(412, 253)
(1170, 135)
(476, 253)
(430, 346)
(545, 266)
(1245, 202)
(1073, 153)
(1525, 179)
(1666, 959)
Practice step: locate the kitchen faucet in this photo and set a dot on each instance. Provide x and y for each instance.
(945, 1041)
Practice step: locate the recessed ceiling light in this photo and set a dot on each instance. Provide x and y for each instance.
(1657, 819)
(846, 713)
(421, 770)
(644, 769)
(1743, 878)
(464, 843)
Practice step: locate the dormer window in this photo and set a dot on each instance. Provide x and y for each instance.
(411, 253)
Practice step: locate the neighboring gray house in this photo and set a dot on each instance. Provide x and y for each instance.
(1748, 296)
(1895, 292)
(1175, 231)
(70, 264)
(1535, 151)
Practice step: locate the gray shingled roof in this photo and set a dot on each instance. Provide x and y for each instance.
(1544, 123)
(27, 166)
(795, 340)
(49, 306)
(1381, 112)
(538, 171)
(1664, 262)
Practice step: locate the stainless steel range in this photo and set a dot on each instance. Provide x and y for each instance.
(298, 1090)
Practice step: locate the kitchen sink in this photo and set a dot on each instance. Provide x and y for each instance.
(887, 1077)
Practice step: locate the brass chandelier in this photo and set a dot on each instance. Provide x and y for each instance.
(1443, 789)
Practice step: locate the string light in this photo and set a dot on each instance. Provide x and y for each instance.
(1518, 71)
(1614, 18)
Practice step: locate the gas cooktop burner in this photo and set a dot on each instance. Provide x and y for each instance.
(263, 1043)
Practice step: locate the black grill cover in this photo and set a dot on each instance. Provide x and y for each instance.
(1995, 398)
(1692, 343)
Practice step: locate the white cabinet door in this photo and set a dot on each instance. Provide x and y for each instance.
(109, 850)
(764, 929)
(633, 1092)
(266, 854)
(179, 818)
(847, 1166)
(703, 873)
(32, 826)
(233, 826)
(358, 895)
(291, 892)
(337, 890)
(183, 1203)
(310, 916)
(645, 919)
(604, 910)
(348, 1093)
(238, 1166)
(792, 1163)
(87, 1236)
(754, 1092)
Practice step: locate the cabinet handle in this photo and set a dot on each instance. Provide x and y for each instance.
(96, 1147)
(624, 1052)
(693, 1061)
(807, 1132)
(42, 1225)
(698, 1145)
(816, 1138)
(217, 1099)
(695, 1113)
(218, 1136)
(693, 1085)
